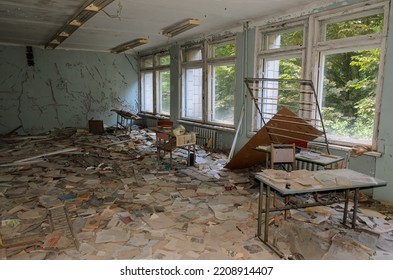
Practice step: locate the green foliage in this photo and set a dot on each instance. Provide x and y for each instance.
(165, 91)
(224, 50)
(350, 80)
(350, 90)
(294, 38)
(165, 60)
(289, 69)
(224, 92)
(361, 26)
(224, 98)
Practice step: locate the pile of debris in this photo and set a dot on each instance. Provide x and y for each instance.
(75, 195)
(70, 194)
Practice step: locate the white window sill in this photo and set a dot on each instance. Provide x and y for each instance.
(346, 149)
(208, 126)
(153, 116)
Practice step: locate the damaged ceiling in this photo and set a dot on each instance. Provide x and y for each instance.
(34, 22)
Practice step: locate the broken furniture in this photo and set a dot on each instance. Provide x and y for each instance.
(283, 154)
(96, 126)
(288, 113)
(306, 182)
(125, 119)
(307, 159)
(270, 95)
(166, 142)
(295, 131)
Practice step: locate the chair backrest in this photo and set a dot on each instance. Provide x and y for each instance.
(164, 123)
(283, 153)
(163, 136)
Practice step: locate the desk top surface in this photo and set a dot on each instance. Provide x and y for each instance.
(307, 156)
(305, 181)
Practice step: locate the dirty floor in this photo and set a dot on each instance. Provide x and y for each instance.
(70, 194)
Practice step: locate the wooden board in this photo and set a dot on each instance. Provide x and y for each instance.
(285, 127)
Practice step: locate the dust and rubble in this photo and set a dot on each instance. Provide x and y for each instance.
(70, 194)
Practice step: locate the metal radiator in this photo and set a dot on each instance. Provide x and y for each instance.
(206, 137)
(151, 122)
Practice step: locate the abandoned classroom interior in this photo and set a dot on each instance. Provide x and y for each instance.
(150, 129)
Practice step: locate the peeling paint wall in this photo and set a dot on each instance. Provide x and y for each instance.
(64, 88)
(384, 165)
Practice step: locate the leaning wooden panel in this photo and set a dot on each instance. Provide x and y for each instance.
(285, 127)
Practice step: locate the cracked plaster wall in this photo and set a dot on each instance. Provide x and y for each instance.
(64, 88)
(384, 165)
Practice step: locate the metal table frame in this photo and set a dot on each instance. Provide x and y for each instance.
(268, 186)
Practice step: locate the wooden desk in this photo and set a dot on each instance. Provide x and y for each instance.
(125, 119)
(307, 160)
(187, 140)
(303, 182)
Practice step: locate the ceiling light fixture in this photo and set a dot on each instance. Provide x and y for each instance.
(84, 13)
(129, 45)
(180, 27)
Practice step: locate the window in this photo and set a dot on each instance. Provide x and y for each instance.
(163, 84)
(349, 75)
(147, 94)
(280, 57)
(192, 101)
(345, 53)
(155, 84)
(147, 91)
(208, 84)
(221, 65)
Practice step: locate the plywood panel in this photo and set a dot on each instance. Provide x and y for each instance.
(285, 127)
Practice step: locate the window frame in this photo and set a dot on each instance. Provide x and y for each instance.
(205, 64)
(323, 47)
(186, 65)
(155, 68)
(211, 63)
(315, 47)
(143, 94)
(264, 54)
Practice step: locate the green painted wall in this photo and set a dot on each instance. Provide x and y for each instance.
(67, 88)
(384, 165)
(63, 88)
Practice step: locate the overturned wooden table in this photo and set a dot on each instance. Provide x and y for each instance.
(304, 182)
